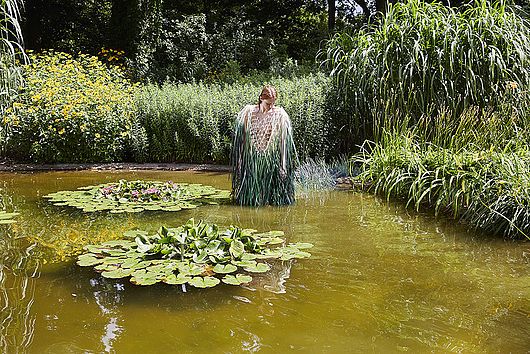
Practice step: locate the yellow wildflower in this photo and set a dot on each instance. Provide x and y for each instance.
(61, 131)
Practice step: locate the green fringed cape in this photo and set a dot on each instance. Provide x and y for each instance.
(263, 177)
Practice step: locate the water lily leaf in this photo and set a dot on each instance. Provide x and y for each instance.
(248, 256)
(244, 263)
(238, 279)
(273, 233)
(258, 268)
(102, 267)
(144, 280)
(204, 282)
(176, 279)
(237, 248)
(200, 257)
(224, 268)
(118, 273)
(301, 245)
(190, 269)
(86, 260)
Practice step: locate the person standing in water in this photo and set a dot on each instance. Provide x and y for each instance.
(262, 159)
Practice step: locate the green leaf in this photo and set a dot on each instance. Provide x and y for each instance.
(88, 259)
(238, 279)
(258, 268)
(118, 273)
(204, 282)
(190, 269)
(176, 279)
(237, 248)
(224, 268)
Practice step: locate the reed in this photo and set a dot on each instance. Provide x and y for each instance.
(475, 168)
(11, 51)
(426, 56)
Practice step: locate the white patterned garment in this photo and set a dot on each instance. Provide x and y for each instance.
(263, 126)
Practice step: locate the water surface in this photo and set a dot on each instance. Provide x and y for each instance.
(380, 279)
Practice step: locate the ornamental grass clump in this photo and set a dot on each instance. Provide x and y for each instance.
(72, 110)
(427, 55)
(475, 168)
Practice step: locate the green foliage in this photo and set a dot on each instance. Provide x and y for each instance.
(137, 196)
(71, 110)
(424, 55)
(177, 53)
(194, 122)
(10, 50)
(475, 168)
(192, 253)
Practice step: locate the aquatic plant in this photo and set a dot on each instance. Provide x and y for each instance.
(7, 218)
(485, 188)
(136, 196)
(195, 253)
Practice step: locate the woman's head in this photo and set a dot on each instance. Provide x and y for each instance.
(267, 98)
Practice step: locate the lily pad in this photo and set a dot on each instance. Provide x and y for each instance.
(224, 268)
(118, 273)
(176, 279)
(137, 196)
(258, 268)
(194, 253)
(238, 279)
(204, 282)
(86, 260)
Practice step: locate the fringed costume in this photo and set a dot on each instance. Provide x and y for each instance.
(262, 160)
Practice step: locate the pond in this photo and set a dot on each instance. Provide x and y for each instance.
(380, 279)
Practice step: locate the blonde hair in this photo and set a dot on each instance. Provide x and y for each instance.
(268, 92)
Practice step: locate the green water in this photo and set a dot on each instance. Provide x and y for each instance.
(380, 279)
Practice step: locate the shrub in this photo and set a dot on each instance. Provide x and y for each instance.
(194, 121)
(426, 55)
(72, 110)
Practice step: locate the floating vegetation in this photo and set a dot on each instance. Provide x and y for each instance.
(7, 218)
(195, 253)
(136, 196)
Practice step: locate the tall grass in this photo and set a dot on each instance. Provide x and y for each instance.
(10, 51)
(426, 56)
(475, 168)
(194, 121)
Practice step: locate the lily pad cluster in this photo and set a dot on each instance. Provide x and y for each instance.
(136, 196)
(197, 254)
(7, 218)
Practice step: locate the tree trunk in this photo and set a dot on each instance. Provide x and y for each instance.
(331, 15)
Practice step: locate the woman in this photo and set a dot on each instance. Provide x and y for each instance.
(262, 159)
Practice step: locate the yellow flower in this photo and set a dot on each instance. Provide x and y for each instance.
(124, 133)
(61, 131)
(97, 135)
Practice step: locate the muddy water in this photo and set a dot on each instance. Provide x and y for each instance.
(381, 279)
